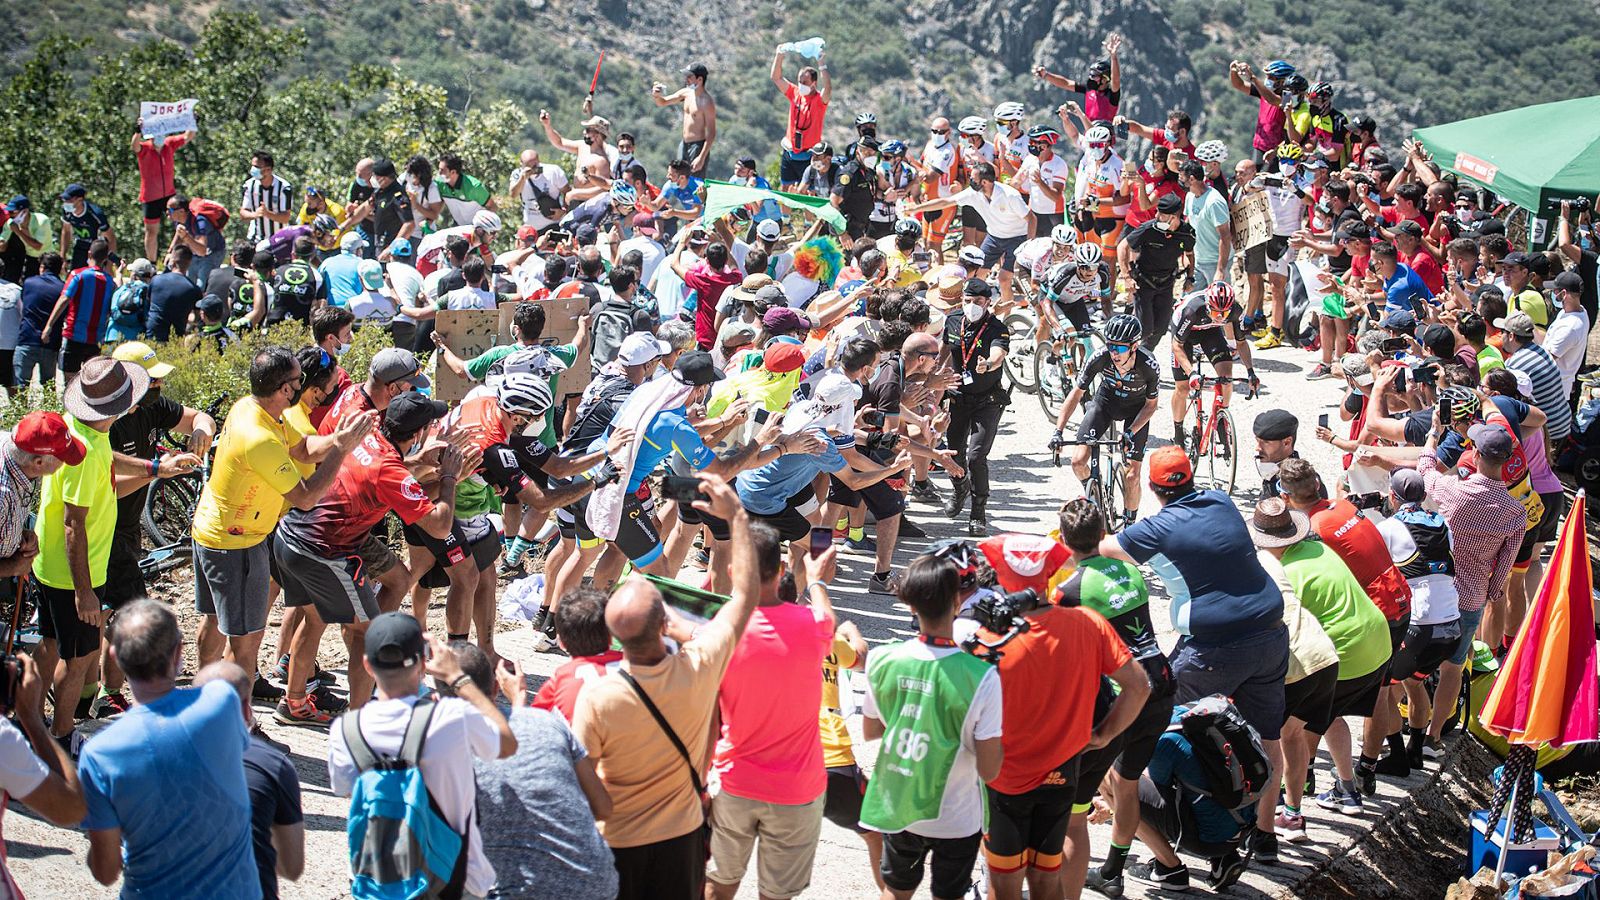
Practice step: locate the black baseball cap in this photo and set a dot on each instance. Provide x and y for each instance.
(394, 641)
(976, 287)
(698, 70)
(411, 412)
(384, 168)
(1518, 258)
(1169, 204)
(1409, 226)
(1568, 281)
(696, 368)
(749, 162)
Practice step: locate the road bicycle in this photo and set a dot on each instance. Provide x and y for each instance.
(1108, 467)
(1212, 439)
(1056, 367)
(170, 503)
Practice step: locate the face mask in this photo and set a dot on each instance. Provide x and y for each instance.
(1162, 226)
(1325, 209)
(1151, 167)
(1170, 135)
(69, 209)
(1104, 153)
(940, 140)
(972, 311)
(803, 90)
(255, 171)
(342, 350)
(1267, 470)
(1374, 196)
(295, 397)
(870, 162)
(363, 182)
(972, 184)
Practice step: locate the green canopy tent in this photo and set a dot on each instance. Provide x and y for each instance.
(1530, 155)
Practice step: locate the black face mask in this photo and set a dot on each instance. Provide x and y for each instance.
(151, 397)
(974, 184)
(295, 397)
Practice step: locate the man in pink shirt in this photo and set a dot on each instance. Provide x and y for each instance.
(708, 278)
(156, 184)
(768, 771)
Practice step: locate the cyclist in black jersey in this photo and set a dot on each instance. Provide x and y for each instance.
(1207, 323)
(1126, 384)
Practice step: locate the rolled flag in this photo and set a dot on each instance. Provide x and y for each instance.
(604, 514)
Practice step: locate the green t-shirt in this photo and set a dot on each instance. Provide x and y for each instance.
(467, 188)
(87, 484)
(478, 369)
(1331, 593)
(1489, 359)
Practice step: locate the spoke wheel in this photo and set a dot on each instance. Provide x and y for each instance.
(169, 509)
(1222, 454)
(1019, 362)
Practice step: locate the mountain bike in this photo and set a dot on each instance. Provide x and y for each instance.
(1056, 368)
(1108, 466)
(1213, 442)
(170, 503)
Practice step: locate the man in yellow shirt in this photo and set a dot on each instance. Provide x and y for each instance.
(255, 471)
(847, 784)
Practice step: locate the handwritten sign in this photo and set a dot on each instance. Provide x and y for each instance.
(470, 332)
(1252, 221)
(167, 118)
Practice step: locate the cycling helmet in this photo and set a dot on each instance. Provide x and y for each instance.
(1219, 296)
(893, 148)
(908, 226)
(1211, 151)
(1063, 234)
(821, 148)
(1464, 402)
(866, 119)
(623, 194)
(1296, 84)
(973, 125)
(971, 255)
(961, 554)
(1290, 152)
(1044, 134)
(1321, 91)
(1100, 68)
(525, 394)
(1099, 134)
(1124, 328)
(1087, 255)
(485, 220)
(1279, 69)
(324, 223)
(1010, 111)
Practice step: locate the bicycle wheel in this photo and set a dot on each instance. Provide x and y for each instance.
(169, 508)
(1222, 456)
(1019, 364)
(1053, 382)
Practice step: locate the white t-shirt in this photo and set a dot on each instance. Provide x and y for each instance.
(651, 250)
(1566, 340)
(21, 770)
(372, 305)
(1288, 210)
(1054, 172)
(428, 195)
(456, 734)
(961, 808)
(550, 181)
(1034, 255)
(468, 297)
(1433, 597)
(10, 314)
(1005, 212)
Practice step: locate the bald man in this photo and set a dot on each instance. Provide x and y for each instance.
(542, 190)
(655, 827)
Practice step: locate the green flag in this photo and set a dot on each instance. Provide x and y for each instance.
(722, 198)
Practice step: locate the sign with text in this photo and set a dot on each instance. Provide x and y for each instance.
(1252, 221)
(167, 118)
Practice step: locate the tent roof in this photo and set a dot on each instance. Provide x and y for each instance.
(1527, 155)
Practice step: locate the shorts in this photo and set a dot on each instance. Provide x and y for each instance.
(788, 833)
(1249, 669)
(674, 867)
(1139, 740)
(637, 536)
(792, 166)
(688, 150)
(1001, 250)
(1351, 697)
(155, 210)
(75, 354)
(1469, 633)
(1098, 416)
(1555, 506)
(1028, 830)
(1210, 344)
(882, 500)
(1424, 648)
(124, 581)
(791, 522)
(1311, 698)
(846, 789)
(971, 218)
(1076, 312)
(904, 853)
(340, 588)
(475, 536)
(1158, 809)
(232, 585)
(1044, 222)
(688, 515)
(1270, 258)
(58, 621)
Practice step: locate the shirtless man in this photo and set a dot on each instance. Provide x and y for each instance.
(591, 172)
(699, 117)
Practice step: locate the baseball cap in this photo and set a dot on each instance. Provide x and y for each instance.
(769, 297)
(585, 235)
(400, 248)
(384, 168)
(1353, 231)
(370, 272)
(527, 233)
(211, 303)
(18, 203)
(47, 434)
(394, 641)
(1409, 226)
(74, 190)
(1169, 204)
(393, 364)
(736, 331)
(768, 229)
(642, 347)
(748, 162)
(697, 368)
(1169, 467)
(412, 411)
(1490, 441)
(645, 224)
(141, 267)
(1400, 320)
(143, 354)
(1519, 324)
(1407, 484)
(1568, 281)
(698, 70)
(784, 320)
(976, 287)
(783, 357)
(1518, 258)
(352, 242)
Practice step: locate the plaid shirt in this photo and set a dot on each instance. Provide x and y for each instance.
(1486, 527)
(17, 492)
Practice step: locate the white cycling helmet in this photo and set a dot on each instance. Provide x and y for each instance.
(525, 394)
(485, 220)
(1099, 134)
(1087, 255)
(1063, 234)
(1211, 151)
(971, 255)
(1009, 111)
(973, 125)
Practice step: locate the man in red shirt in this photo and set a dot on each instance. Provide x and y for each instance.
(581, 632)
(1408, 241)
(156, 187)
(708, 278)
(392, 372)
(808, 98)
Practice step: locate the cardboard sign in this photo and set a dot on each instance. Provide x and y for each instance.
(1252, 221)
(469, 332)
(167, 118)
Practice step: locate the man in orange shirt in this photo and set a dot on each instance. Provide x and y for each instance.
(808, 98)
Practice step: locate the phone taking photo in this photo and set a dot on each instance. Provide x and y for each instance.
(761, 415)
(684, 489)
(821, 540)
(1322, 421)
(1446, 412)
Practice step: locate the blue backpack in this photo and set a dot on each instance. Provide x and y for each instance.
(401, 846)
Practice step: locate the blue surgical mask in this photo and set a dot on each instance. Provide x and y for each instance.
(363, 182)
(1170, 135)
(255, 171)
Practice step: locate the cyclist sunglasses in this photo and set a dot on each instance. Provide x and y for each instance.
(1119, 348)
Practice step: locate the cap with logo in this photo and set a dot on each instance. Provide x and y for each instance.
(697, 368)
(47, 434)
(393, 364)
(141, 353)
(412, 412)
(1519, 324)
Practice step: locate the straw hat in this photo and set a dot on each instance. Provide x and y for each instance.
(105, 389)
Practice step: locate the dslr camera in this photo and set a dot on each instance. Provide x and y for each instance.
(1579, 204)
(1002, 614)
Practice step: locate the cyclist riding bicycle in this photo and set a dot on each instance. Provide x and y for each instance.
(1070, 285)
(1037, 256)
(1207, 323)
(1126, 384)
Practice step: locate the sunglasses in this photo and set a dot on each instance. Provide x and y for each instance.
(939, 130)
(1098, 145)
(920, 353)
(1119, 348)
(1006, 121)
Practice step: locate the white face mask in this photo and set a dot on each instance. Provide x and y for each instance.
(343, 349)
(972, 311)
(1267, 470)
(870, 162)
(803, 90)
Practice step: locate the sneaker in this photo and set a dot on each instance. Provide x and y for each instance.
(85, 707)
(701, 560)
(112, 704)
(302, 711)
(889, 585)
(1432, 748)
(322, 676)
(68, 743)
(1346, 803)
(1260, 331)
(1366, 780)
(1110, 887)
(924, 492)
(328, 700)
(1291, 827)
(265, 690)
(1319, 372)
(1263, 845)
(280, 672)
(866, 546)
(544, 637)
(1269, 340)
(1173, 879)
(508, 571)
(1226, 871)
(1395, 765)
(909, 528)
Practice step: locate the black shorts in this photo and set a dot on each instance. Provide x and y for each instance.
(971, 218)
(1028, 830)
(688, 150)
(792, 167)
(468, 537)
(1425, 647)
(675, 867)
(75, 354)
(1311, 698)
(156, 210)
(845, 790)
(58, 621)
(1098, 416)
(1076, 312)
(1351, 697)
(1001, 251)
(1555, 506)
(637, 536)
(1044, 222)
(124, 581)
(691, 516)
(340, 588)
(791, 523)
(883, 501)
(903, 862)
(1139, 740)
(1210, 344)
(1267, 257)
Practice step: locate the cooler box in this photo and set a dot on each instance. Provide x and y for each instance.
(1521, 857)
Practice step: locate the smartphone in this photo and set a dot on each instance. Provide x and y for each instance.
(556, 236)
(1446, 413)
(1122, 131)
(1393, 345)
(873, 419)
(821, 540)
(1400, 380)
(1322, 421)
(1372, 312)
(684, 489)
(762, 415)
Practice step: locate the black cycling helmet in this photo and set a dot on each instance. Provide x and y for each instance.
(961, 554)
(1124, 328)
(908, 227)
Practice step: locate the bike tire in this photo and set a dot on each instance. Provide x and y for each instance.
(1019, 361)
(1224, 452)
(1053, 384)
(169, 508)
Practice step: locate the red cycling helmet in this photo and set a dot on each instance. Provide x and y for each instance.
(1219, 296)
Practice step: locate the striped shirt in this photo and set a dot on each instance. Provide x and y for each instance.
(274, 198)
(1486, 525)
(88, 292)
(17, 492)
(1549, 391)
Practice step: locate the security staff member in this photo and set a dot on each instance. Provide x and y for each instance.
(1276, 431)
(1149, 257)
(975, 343)
(857, 187)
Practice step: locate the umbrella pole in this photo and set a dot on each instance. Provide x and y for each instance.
(1510, 813)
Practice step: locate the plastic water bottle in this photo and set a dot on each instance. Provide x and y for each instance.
(810, 48)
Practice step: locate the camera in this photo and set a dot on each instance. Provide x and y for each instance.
(1001, 614)
(1578, 204)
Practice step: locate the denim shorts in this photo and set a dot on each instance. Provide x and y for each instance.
(1249, 670)
(1469, 631)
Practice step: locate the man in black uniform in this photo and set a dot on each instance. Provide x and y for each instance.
(1208, 324)
(1276, 431)
(975, 343)
(391, 207)
(1149, 256)
(856, 188)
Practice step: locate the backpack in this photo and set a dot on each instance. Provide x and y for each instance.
(613, 322)
(1228, 750)
(401, 846)
(211, 211)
